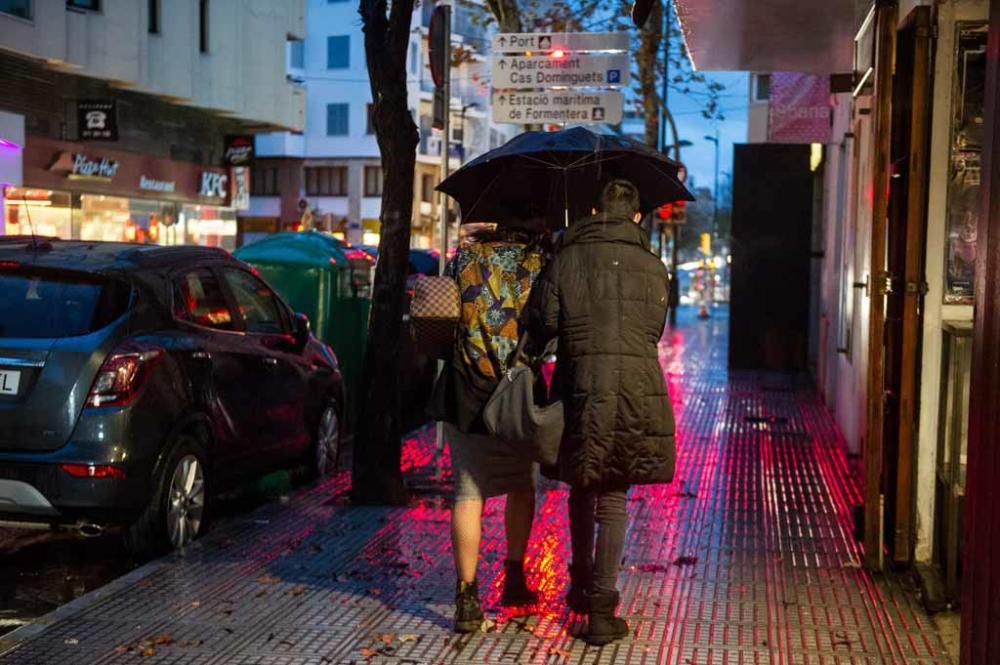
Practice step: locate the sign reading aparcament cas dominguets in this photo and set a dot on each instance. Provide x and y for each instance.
(561, 69)
(542, 106)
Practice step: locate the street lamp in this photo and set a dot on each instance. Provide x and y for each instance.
(715, 186)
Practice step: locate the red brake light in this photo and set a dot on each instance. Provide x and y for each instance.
(9, 265)
(93, 471)
(123, 375)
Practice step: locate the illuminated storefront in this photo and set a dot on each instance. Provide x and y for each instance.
(75, 192)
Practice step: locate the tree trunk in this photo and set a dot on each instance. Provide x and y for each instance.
(650, 39)
(377, 478)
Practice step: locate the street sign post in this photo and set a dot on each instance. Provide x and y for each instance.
(570, 70)
(547, 106)
(518, 42)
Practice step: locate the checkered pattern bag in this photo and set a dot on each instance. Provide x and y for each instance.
(434, 314)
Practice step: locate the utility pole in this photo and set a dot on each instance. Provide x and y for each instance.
(665, 115)
(445, 7)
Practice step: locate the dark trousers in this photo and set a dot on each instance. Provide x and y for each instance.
(608, 511)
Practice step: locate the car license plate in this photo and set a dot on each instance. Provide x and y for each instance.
(9, 381)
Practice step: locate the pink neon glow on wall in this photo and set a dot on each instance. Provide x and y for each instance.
(10, 145)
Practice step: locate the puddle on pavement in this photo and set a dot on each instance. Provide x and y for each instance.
(39, 571)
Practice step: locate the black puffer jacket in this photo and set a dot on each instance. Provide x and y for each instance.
(604, 296)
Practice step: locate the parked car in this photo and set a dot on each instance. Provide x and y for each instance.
(138, 381)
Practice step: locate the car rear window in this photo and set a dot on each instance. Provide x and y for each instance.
(51, 305)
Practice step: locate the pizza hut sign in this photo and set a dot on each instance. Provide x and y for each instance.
(79, 165)
(215, 185)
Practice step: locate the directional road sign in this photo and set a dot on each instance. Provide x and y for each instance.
(537, 107)
(517, 42)
(568, 70)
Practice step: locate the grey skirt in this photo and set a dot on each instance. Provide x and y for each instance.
(484, 466)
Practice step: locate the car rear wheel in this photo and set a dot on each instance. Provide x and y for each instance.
(326, 452)
(175, 515)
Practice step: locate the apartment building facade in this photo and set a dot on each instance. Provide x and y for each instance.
(330, 175)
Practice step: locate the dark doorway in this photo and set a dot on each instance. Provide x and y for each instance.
(772, 232)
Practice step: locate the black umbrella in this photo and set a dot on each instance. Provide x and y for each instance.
(559, 174)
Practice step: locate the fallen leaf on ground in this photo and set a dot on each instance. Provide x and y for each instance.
(297, 591)
(196, 603)
(163, 639)
(556, 651)
(409, 638)
(71, 640)
(148, 651)
(369, 653)
(268, 579)
(387, 638)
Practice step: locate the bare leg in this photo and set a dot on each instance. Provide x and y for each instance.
(466, 531)
(519, 514)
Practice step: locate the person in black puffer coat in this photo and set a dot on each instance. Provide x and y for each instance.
(604, 297)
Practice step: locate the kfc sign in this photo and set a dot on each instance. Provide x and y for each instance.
(97, 120)
(214, 184)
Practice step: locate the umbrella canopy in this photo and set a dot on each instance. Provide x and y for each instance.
(558, 175)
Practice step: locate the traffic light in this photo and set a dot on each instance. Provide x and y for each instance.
(665, 211)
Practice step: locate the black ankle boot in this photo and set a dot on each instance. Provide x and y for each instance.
(515, 588)
(579, 582)
(603, 627)
(468, 610)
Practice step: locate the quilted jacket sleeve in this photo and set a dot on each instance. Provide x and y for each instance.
(543, 309)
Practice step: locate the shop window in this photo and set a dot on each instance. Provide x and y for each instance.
(18, 8)
(296, 54)
(203, 26)
(154, 17)
(338, 52)
(326, 180)
(336, 119)
(427, 188)
(258, 306)
(198, 299)
(38, 211)
(89, 5)
(264, 181)
(373, 181)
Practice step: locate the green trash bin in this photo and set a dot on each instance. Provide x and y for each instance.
(328, 281)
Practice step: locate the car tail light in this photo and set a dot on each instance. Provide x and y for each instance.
(93, 471)
(123, 375)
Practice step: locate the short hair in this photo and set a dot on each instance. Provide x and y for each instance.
(620, 197)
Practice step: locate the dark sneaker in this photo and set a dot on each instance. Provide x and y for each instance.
(468, 610)
(515, 587)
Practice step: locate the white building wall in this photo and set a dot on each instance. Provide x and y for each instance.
(242, 74)
(935, 311)
(843, 308)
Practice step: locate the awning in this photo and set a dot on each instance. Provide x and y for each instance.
(813, 36)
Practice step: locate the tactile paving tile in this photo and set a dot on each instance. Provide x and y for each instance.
(746, 559)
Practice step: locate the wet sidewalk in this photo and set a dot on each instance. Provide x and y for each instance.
(748, 557)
